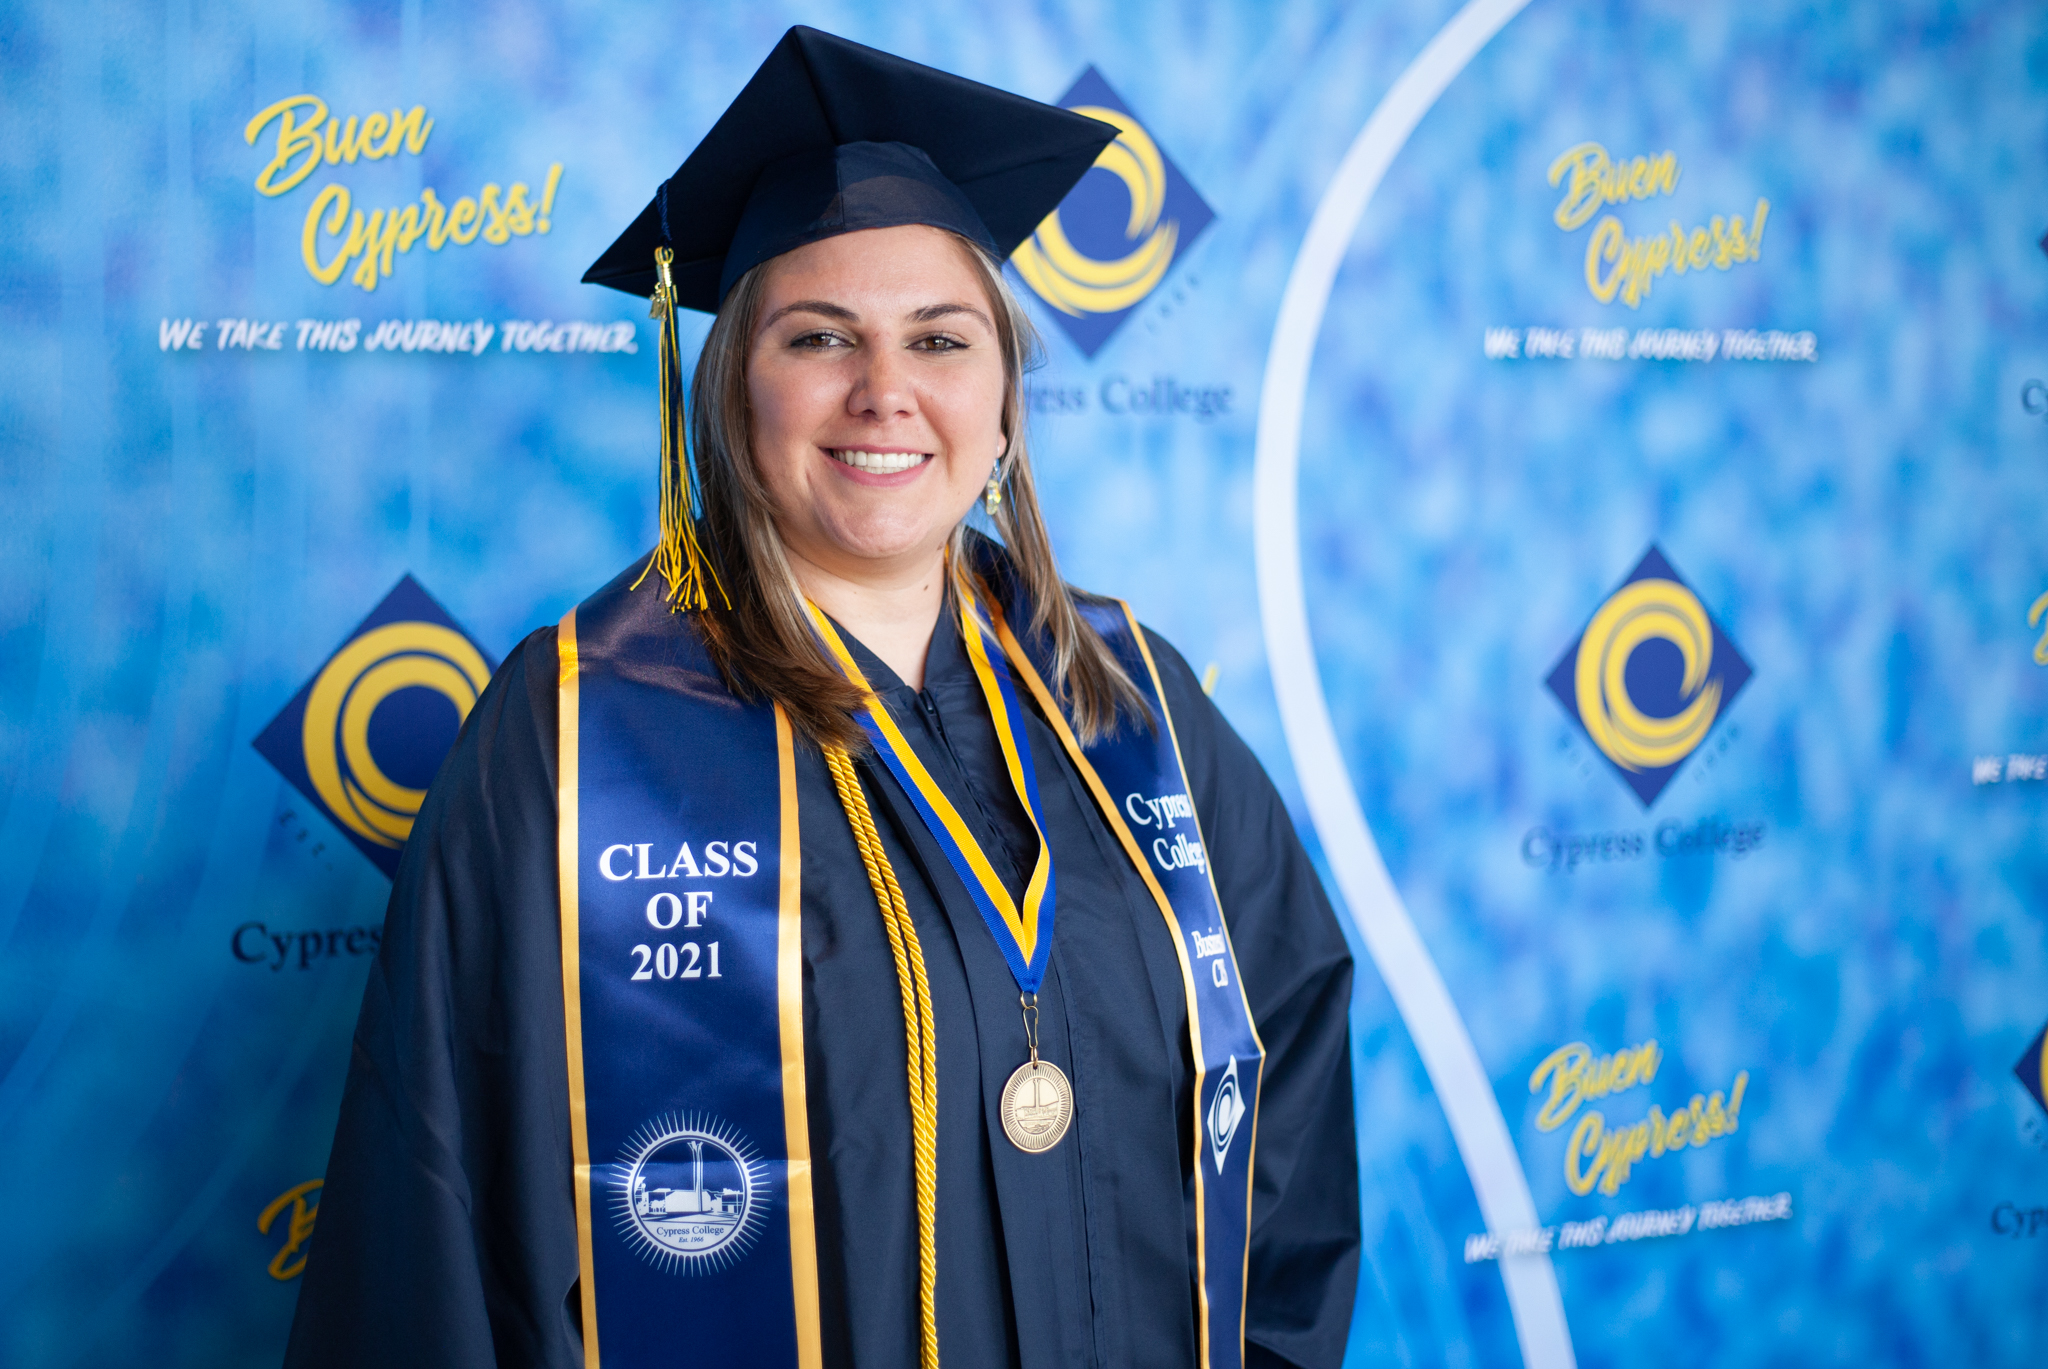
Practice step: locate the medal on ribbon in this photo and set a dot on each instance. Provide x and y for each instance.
(1038, 1101)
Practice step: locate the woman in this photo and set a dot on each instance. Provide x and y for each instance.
(838, 942)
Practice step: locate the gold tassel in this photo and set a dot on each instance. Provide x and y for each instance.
(677, 555)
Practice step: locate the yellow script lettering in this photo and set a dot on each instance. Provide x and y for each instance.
(293, 137)
(321, 136)
(1635, 263)
(374, 243)
(1574, 1075)
(309, 242)
(297, 1230)
(1596, 179)
(1602, 1156)
(493, 216)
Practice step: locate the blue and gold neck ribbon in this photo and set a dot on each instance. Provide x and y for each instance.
(1141, 786)
(1023, 932)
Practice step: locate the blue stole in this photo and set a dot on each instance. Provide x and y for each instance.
(682, 990)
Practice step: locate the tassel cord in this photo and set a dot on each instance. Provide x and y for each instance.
(678, 555)
(919, 1034)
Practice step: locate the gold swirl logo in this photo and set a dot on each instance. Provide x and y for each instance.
(1642, 611)
(1077, 284)
(336, 733)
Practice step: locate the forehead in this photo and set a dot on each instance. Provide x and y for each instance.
(878, 272)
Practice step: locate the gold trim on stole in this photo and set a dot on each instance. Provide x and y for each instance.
(1015, 651)
(796, 1120)
(1209, 868)
(572, 993)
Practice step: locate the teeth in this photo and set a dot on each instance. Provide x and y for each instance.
(881, 463)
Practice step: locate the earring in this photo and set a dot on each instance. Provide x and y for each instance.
(992, 497)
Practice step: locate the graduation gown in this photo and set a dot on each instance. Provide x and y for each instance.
(447, 1233)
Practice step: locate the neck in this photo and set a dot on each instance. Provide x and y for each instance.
(892, 612)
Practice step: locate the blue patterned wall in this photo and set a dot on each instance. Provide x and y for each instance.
(1667, 503)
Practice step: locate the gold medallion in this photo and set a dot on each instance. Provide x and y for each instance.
(1038, 1103)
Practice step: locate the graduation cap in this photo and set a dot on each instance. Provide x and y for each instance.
(830, 137)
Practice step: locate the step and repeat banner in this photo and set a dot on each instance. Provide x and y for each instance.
(1597, 453)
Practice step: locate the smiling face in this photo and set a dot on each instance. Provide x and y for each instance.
(876, 385)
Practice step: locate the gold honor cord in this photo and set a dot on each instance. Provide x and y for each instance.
(919, 1035)
(677, 556)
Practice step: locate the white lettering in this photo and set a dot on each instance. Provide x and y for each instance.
(1207, 943)
(700, 906)
(1219, 973)
(715, 863)
(643, 848)
(604, 863)
(665, 903)
(743, 858)
(1163, 811)
(685, 864)
(1181, 855)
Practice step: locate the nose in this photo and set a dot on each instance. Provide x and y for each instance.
(883, 388)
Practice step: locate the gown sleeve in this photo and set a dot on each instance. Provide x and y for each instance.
(446, 1228)
(1296, 970)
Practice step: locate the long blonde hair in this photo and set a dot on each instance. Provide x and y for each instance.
(764, 644)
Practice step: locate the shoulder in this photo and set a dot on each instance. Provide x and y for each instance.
(1178, 684)
(519, 704)
(1223, 773)
(503, 760)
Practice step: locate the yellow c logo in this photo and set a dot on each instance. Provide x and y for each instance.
(1077, 284)
(336, 735)
(1642, 611)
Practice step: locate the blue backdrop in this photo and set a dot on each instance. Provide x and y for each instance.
(1601, 450)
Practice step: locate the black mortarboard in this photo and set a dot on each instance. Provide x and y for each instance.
(831, 137)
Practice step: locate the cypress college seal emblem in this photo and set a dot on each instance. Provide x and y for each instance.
(690, 1193)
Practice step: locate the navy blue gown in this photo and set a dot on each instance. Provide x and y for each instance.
(446, 1233)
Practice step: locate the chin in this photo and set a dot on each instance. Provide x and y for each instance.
(884, 539)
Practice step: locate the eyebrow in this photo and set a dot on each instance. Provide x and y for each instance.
(813, 306)
(933, 312)
(928, 314)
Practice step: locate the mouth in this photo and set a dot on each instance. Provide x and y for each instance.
(878, 463)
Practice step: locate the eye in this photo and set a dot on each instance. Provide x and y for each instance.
(940, 342)
(817, 341)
